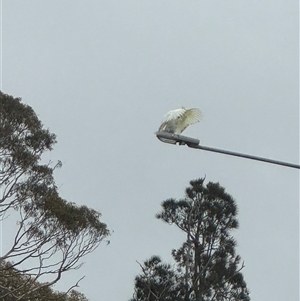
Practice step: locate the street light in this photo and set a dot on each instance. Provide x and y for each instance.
(195, 143)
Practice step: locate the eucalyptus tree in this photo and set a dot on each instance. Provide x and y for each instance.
(51, 235)
(206, 266)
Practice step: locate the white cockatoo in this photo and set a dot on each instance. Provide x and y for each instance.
(176, 121)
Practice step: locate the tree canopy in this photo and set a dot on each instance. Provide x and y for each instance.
(46, 224)
(206, 266)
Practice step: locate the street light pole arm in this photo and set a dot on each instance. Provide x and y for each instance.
(194, 143)
(210, 149)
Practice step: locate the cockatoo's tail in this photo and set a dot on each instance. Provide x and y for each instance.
(176, 121)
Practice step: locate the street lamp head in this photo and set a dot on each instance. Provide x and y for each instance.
(176, 139)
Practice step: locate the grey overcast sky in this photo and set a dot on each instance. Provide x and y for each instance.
(101, 75)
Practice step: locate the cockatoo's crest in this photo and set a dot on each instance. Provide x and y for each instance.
(176, 121)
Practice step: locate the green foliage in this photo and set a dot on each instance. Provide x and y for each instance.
(22, 135)
(206, 266)
(71, 218)
(158, 282)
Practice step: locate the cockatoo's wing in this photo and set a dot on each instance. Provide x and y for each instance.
(189, 117)
(176, 121)
(174, 114)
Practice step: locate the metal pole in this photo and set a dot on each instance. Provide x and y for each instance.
(195, 143)
(210, 149)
